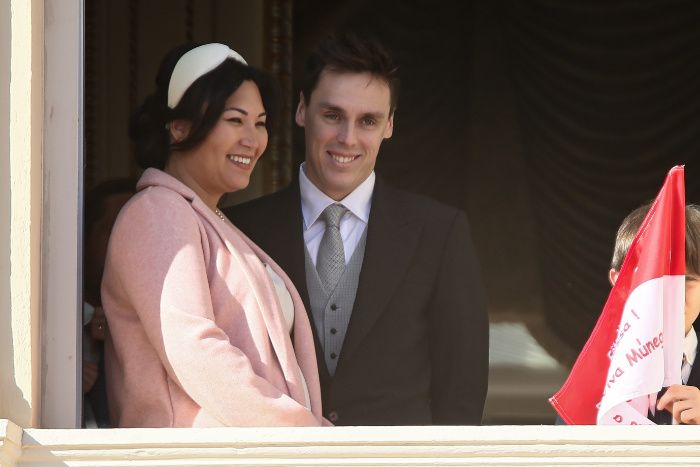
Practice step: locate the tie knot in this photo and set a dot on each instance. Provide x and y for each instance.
(333, 213)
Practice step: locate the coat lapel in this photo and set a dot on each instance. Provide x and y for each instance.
(302, 355)
(287, 238)
(239, 245)
(392, 236)
(282, 237)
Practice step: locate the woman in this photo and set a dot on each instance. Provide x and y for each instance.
(199, 334)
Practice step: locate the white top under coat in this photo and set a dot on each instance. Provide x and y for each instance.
(287, 306)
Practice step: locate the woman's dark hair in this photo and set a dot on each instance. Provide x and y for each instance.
(201, 105)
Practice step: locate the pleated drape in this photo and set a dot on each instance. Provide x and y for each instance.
(608, 100)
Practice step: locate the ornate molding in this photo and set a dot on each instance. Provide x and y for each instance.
(278, 60)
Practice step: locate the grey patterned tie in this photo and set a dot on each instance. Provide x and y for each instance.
(330, 263)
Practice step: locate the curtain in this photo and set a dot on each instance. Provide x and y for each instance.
(608, 100)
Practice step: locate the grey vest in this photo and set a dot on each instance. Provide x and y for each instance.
(331, 310)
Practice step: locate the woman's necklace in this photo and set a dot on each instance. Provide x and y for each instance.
(220, 214)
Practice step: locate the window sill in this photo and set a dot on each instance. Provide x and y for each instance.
(357, 446)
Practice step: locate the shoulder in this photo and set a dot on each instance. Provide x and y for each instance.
(282, 204)
(417, 206)
(154, 210)
(158, 200)
(266, 201)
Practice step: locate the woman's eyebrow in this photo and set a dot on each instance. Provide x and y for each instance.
(244, 112)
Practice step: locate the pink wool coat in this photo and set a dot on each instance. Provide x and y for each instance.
(196, 332)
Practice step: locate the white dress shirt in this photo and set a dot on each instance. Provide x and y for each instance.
(690, 349)
(352, 224)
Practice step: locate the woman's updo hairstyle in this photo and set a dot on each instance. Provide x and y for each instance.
(201, 104)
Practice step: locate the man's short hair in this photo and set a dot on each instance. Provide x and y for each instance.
(631, 224)
(349, 53)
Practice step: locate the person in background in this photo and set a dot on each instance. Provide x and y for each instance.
(390, 278)
(102, 204)
(205, 328)
(679, 402)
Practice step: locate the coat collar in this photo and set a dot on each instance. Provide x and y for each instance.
(156, 177)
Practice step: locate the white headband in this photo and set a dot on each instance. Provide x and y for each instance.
(195, 64)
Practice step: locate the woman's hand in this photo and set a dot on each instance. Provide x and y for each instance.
(683, 402)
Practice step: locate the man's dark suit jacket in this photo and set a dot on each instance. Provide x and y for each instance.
(694, 377)
(416, 348)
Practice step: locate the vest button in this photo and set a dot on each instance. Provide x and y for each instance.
(334, 330)
(334, 307)
(333, 416)
(333, 356)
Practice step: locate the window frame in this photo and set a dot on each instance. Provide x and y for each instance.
(62, 217)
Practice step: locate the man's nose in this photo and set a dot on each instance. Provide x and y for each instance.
(347, 134)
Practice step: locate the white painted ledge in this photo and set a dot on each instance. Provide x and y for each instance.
(352, 446)
(10, 443)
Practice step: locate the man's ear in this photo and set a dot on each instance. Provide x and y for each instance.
(179, 130)
(389, 127)
(301, 111)
(612, 276)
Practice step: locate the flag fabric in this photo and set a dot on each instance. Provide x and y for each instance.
(636, 346)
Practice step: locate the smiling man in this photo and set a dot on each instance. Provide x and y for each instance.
(389, 279)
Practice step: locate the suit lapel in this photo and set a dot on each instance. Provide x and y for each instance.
(285, 243)
(392, 236)
(286, 238)
(694, 378)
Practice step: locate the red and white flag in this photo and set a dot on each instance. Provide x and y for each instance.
(636, 347)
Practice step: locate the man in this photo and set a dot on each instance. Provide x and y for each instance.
(390, 279)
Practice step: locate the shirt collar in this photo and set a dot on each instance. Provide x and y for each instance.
(314, 201)
(690, 346)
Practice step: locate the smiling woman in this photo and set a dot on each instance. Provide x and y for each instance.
(223, 161)
(206, 330)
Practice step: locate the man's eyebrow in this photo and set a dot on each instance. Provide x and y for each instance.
(335, 108)
(329, 106)
(262, 114)
(374, 115)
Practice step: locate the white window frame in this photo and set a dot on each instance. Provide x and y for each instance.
(61, 255)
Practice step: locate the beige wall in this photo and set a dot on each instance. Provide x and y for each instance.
(6, 366)
(22, 111)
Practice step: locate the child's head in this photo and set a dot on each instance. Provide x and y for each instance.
(623, 240)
